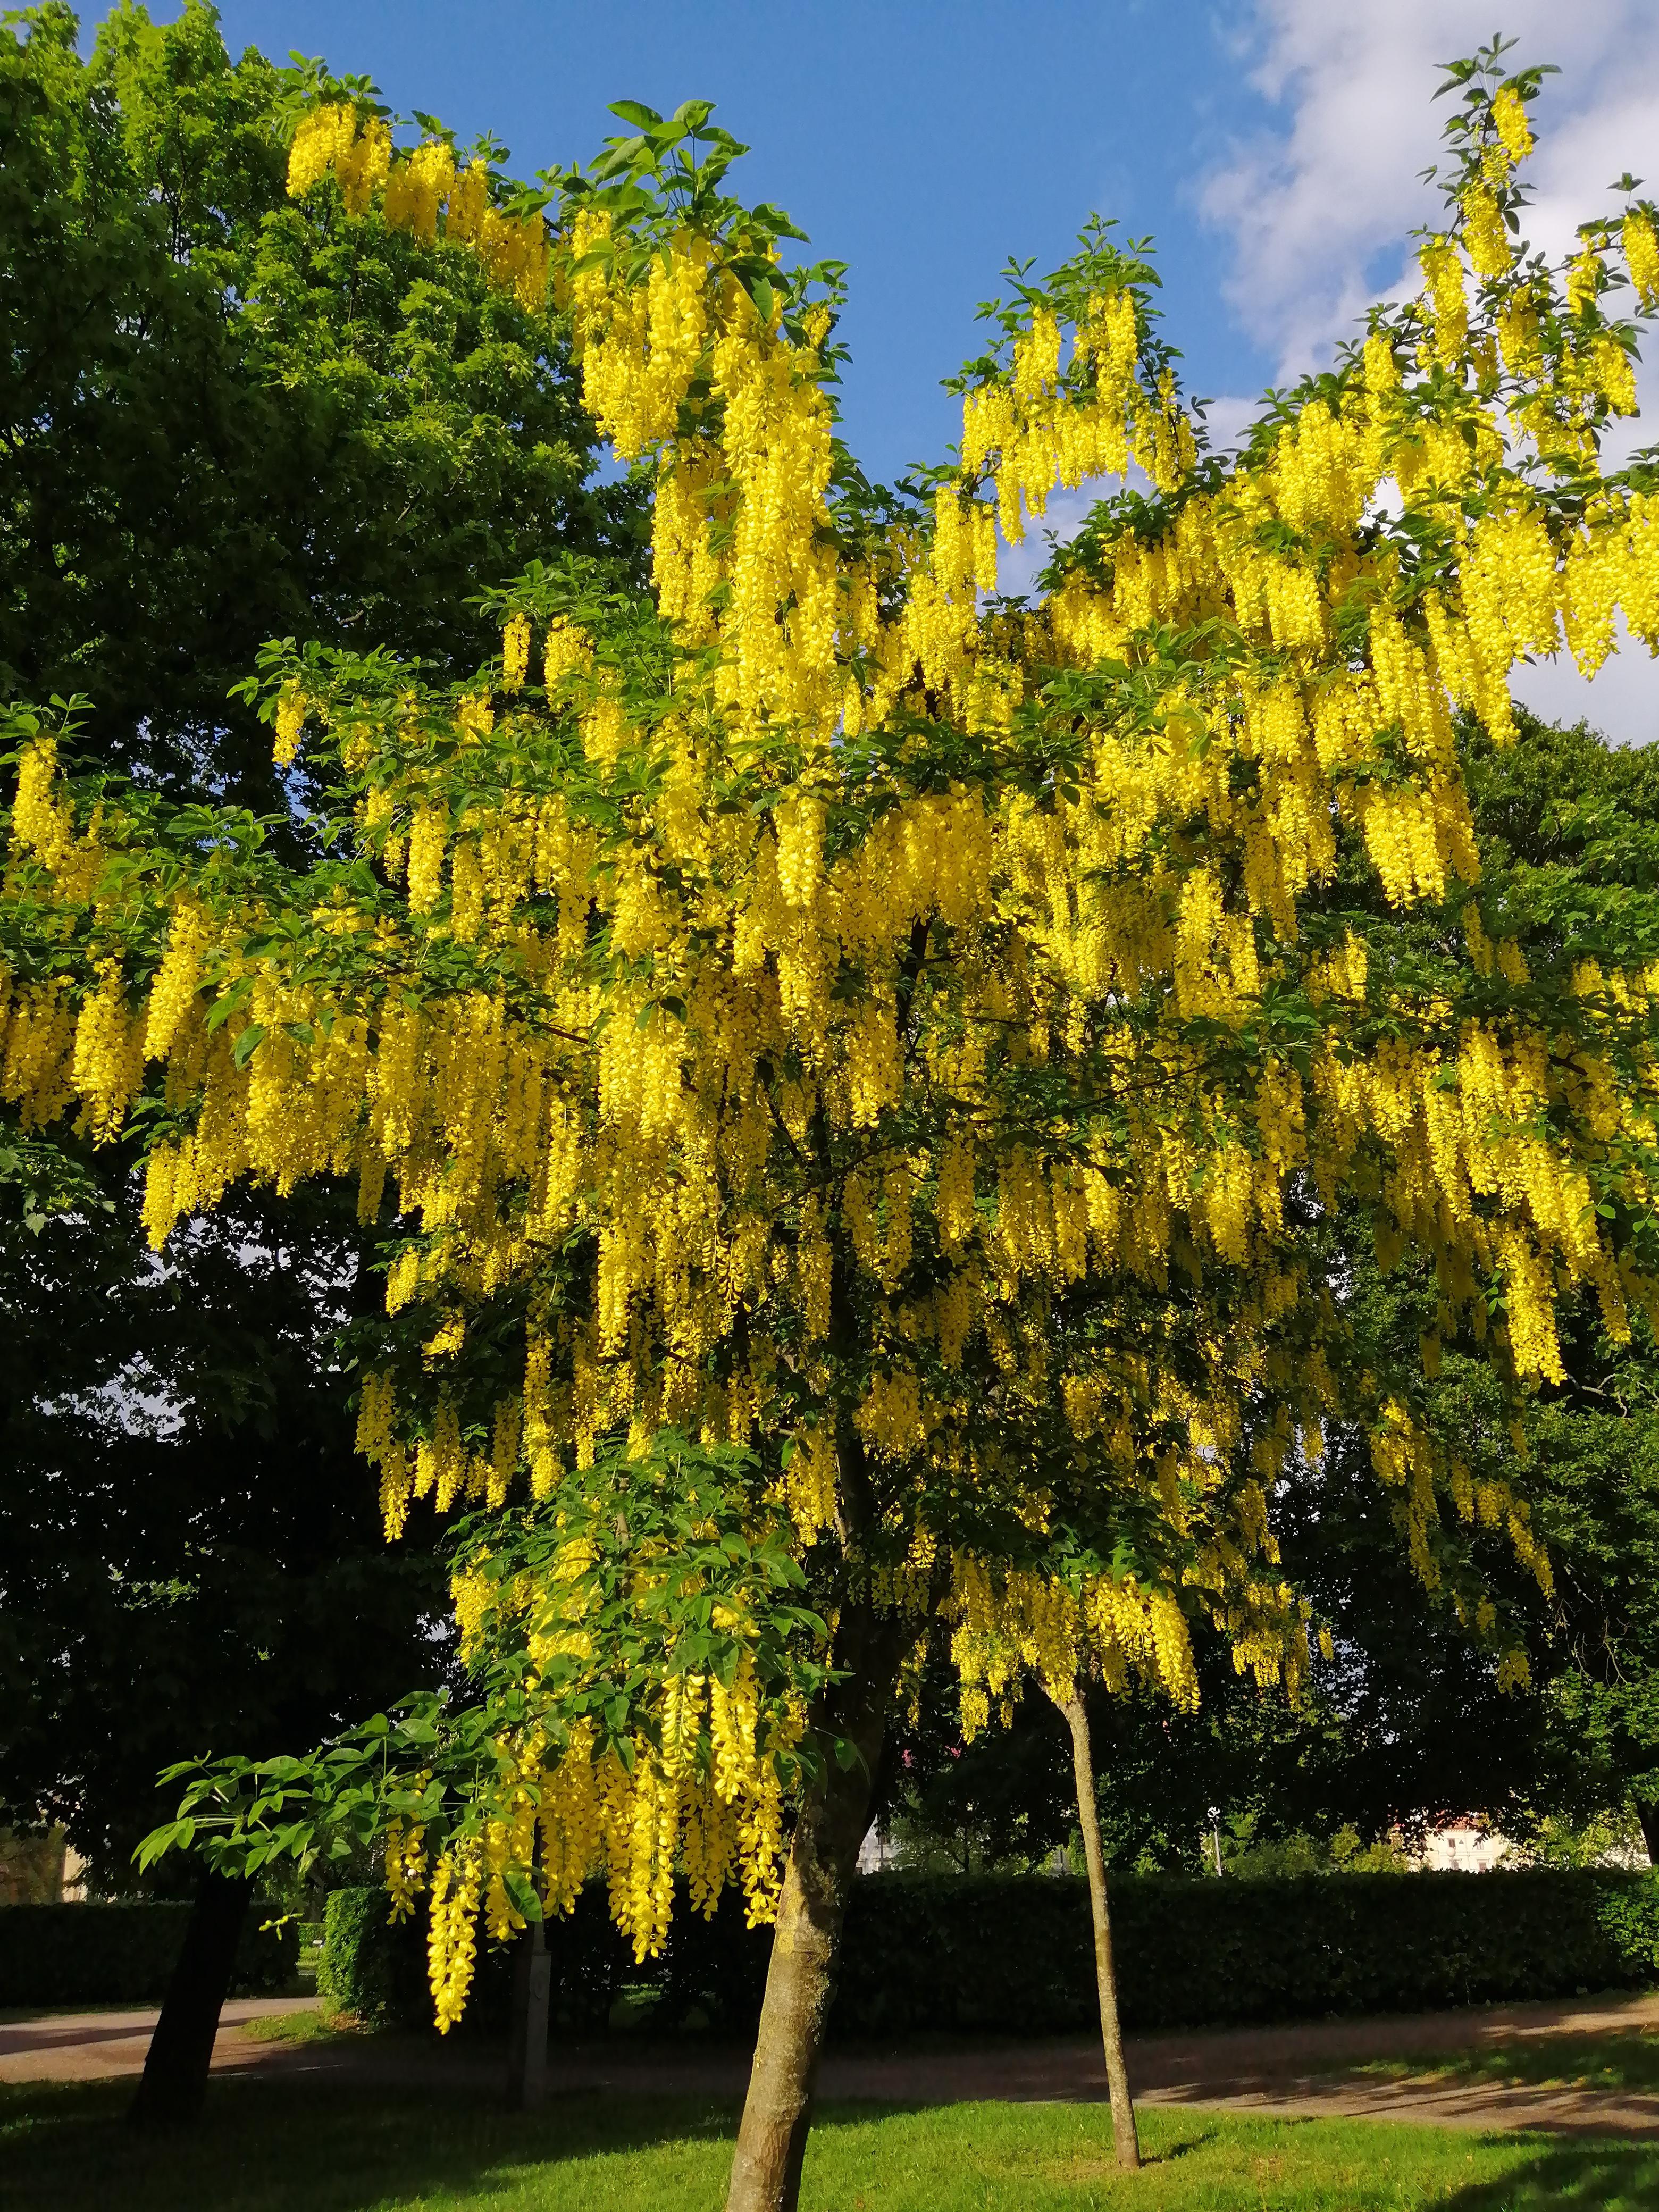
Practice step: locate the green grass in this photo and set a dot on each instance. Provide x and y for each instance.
(1562, 2060)
(322, 2146)
(303, 2028)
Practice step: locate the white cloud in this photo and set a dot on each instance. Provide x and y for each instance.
(1319, 206)
(1019, 565)
(1332, 193)
(1621, 700)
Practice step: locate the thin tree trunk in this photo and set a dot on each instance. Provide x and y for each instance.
(175, 2075)
(777, 2113)
(1111, 2035)
(532, 1986)
(1648, 1816)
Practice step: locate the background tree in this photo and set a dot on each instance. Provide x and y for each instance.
(230, 417)
(185, 1551)
(1404, 1724)
(226, 416)
(1426, 1732)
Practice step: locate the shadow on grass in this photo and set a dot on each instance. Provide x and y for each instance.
(1608, 2177)
(322, 2146)
(1169, 2152)
(318, 2145)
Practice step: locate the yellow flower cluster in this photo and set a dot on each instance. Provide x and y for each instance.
(1040, 428)
(1484, 235)
(1641, 244)
(40, 823)
(290, 725)
(37, 1030)
(1508, 117)
(108, 1054)
(457, 1885)
(1015, 1622)
(419, 187)
(329, 141)
(1444, 299)
(699, 1793)
(418, 190)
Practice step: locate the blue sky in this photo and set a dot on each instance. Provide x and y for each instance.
(920, 140)
(1272, 148)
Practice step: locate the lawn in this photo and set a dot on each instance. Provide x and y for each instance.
(320, 2147)
(303, 2028)
(1618, 2060)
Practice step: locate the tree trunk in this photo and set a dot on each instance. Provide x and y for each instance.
(174, 2082)
(1648, 1815)
(532, 1986)
(777, 2111)
(1111, 2035)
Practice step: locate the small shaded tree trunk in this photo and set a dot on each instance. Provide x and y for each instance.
(777, 2111)
(1124, 2136)
(1648, 1816)
(532, 1988)
(175, 2076)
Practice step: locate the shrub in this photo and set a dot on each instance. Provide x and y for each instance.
(377, 1971)
(92, 1955)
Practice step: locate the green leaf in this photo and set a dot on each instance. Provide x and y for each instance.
(635, 112)
(523, 1894)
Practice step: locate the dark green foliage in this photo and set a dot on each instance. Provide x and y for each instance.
(712, 1973)
(223, 417)
(103, 1954)
(228, 418)
(190, 1552)
(1012, 1954)
(1567, 824)
(369, 1968)
(1603, 1699)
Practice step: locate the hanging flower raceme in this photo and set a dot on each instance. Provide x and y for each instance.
(642, 1666)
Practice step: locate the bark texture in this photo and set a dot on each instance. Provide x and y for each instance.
(175, 2076)
(1648, 1815)
(777, 2113)
(1111, 2035)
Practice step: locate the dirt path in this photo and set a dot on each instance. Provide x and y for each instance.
(1293, 2071)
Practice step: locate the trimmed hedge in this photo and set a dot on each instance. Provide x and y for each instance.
(92, 1955)
(1013, 1954)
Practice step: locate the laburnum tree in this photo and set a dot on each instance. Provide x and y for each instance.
(857, 1069)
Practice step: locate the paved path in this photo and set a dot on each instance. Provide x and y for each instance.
(1288, 2071)
(92, 2047)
